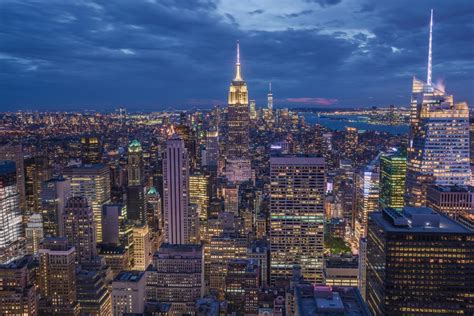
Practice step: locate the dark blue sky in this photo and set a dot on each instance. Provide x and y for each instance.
(153, 54)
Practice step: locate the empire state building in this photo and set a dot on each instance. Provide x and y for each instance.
(238, 116)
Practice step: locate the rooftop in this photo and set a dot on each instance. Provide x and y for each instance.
(129, 276)
(327, 300)
(417, 220)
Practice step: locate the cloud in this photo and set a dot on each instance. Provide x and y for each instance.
(311, 101)
(298, 14)
(258, 11)
(156, 54)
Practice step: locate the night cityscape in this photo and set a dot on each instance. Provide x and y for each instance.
(218, 157)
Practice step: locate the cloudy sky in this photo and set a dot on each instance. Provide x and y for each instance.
(156, 54)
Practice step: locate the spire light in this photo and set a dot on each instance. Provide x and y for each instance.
(430, 61)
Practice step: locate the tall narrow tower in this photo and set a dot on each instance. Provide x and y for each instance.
(438, 149)
(238, 115)
(135, 163)
(270, 97)
(176, 192)
(430, 60)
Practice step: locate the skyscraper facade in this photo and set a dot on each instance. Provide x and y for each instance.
(79, 228)
(18, 292)
(419, 263)
(238, 117)
(57, 277)
(91, 149)
(15, 153)
(93, 183)
(297, 186)
(438, 149)
(135, 163)
(11, 243)
(54, 195)
(37, 171)
(34, 233)
(176, 192)
(177, 276)
(392, 180)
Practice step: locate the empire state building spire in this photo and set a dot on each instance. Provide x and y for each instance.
(238, 75)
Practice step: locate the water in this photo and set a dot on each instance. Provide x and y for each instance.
(340, 122)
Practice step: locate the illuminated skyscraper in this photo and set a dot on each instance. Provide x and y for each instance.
(367, 198)
(11, 241)
(351, 141)
(199, 193)
(297, 186)
(270, 98)
(15, 153)
(79, 228)
(253, 110)
(54, 195)
(57, 278)
(392, 180)
(438, 149)
(142, 247)
(91, 150)
(176, 192)
(177, 277)
(18, 293)
(238, 118)
(135, 163)
(37, 171)
(419, 263)
(212, 148)
(34, 233)
(93, 183)
(242, 284)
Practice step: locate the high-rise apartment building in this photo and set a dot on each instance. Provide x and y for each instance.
(438, 149)
(18, 293)
(54, 195)
(176, 192)
(419, 262)
(199, 193)
(11, 235)
(93, 183)
(177, 277)
(135, 163)
(57, 278)
(297, 187)
(238, 117)
(392, 180)
(79, 228)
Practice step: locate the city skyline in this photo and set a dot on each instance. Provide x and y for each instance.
(103, 57)
(250, 207)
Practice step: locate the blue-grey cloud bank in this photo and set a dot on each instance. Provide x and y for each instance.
(158, 54)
